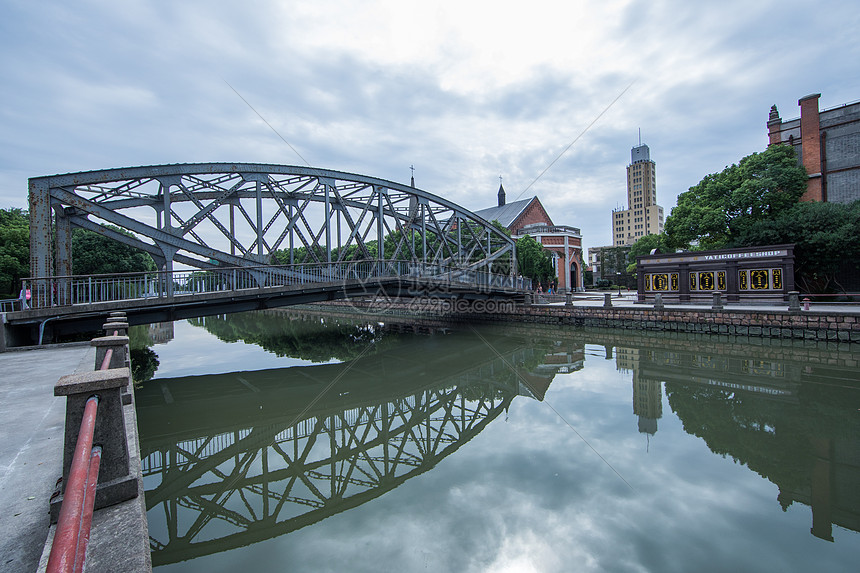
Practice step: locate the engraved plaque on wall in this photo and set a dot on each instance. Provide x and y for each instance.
(760, 279)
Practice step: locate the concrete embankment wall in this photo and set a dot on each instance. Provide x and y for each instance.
(833, 326)
(804, 325)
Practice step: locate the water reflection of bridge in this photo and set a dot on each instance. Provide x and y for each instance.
(234, 459)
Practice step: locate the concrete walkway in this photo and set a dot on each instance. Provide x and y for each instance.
(31, 445)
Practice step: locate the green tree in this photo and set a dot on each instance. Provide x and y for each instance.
(533, 261)
(144, 363)
(95, 254)
(724, 205)
(410, 249)
(613, 265)
(316, 340)
(14, 250)
(645, 246)
(826, 238)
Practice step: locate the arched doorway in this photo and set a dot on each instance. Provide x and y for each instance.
(574, 276)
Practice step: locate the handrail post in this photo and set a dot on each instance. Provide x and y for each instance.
(117, 344)
(116, 483)
(117, 347)
(794, 301)
(115, 325)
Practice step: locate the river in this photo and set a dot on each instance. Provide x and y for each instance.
(287, 440)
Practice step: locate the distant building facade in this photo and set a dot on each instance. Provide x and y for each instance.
(528, 217)
(595, 262)
(827, 143)
(643, 215)
(610, 263)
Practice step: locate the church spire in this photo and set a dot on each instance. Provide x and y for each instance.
(412, 167)
(774, 113)
(501, 193)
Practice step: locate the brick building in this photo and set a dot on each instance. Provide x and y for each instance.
(528, 217)
(828, 146)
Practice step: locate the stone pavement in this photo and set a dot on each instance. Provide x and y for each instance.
(31, 445)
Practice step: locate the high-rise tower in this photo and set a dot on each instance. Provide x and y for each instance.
(643, 215)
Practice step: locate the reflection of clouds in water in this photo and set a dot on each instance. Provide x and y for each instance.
(528, 495)
(525, 553)
(195, 355)
(517, 505)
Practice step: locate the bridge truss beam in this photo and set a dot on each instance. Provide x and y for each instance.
(218, 214)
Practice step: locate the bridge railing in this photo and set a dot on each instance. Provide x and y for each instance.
(90, 289)
(96, 465)
(11, 304)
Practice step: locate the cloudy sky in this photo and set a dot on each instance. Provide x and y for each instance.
(465, 91)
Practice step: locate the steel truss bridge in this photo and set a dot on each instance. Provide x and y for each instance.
(216, 482)
(240, 226)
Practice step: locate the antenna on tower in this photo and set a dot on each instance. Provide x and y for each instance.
(640, 136)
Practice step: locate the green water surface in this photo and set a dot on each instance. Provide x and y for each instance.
(295, 442)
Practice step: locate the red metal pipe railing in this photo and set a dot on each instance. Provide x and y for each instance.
(106, 360)
(67, 544)
(89, 502)
(69, 549)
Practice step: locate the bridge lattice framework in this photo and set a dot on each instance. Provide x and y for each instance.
(217, 215)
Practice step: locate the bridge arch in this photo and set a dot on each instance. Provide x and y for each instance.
(206, 215)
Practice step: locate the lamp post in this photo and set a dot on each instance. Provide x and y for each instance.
(618, 273)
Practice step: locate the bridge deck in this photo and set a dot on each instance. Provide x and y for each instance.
(28, 324)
